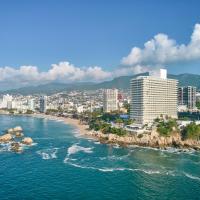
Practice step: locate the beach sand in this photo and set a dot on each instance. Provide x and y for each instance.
(83, 129)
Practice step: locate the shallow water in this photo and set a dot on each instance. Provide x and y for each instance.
(62, 165)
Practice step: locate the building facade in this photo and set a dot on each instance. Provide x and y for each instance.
(187, 97)
(31, 104)
(43, 104)
(110, 100)
(153, 96)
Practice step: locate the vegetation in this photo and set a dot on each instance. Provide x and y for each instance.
(11, 111)
(99, 125)
(127, 107)
(100, 121)
(198, 105)
(29, 112)
(191, 131)
(51, 111)
(166, 128)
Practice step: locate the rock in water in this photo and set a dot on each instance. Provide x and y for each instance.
(16, 147)
(6, 138)
(27, 141)
(18, 129)
(10, 130)
(19, 134)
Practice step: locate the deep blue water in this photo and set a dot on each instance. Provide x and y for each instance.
(64, 166)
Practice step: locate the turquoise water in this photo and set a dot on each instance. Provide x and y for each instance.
(62, 165)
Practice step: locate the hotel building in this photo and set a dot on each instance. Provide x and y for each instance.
(110, 100)
(153, 96)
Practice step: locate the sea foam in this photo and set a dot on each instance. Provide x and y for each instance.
(47, 154)
(75, 148)
(192, 176)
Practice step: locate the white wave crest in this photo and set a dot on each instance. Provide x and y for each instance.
(5, 147)
(48, 153)
(68, 161)
(113, 157)
(192, 177)
(97, 142)
(148, 171)
(116, 146)
(76, 148)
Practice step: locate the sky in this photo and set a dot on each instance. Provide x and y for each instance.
(95, 40)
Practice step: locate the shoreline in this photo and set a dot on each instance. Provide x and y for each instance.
(119, 140)
(69, 121)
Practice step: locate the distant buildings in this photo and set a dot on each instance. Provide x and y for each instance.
(187, 97)
(43, 104)
(153, 96)
(6, 101)
(31, 104)
(110, 100)
(197, 97)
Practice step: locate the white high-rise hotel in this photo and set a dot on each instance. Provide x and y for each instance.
(110, 101)
(153, 96)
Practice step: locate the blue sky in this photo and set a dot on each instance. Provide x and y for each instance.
(89, 33)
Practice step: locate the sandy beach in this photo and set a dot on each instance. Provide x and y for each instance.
(83, 129)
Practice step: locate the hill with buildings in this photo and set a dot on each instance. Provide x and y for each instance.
(121, 82)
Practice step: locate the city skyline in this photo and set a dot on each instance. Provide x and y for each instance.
(77, 43)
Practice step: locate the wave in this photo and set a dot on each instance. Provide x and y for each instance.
(75, 148)
(5, 147)
(191, 176)
(148, 171)
(172, 150)
(48, 153)
(68, 161)
(97, 142)
(116, 146)
(115, 157)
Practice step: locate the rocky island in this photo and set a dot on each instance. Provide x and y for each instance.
(15, 137)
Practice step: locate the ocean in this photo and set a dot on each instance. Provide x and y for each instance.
(62, 165)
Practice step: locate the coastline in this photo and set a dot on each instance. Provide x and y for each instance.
(83, 129)
(152, 141)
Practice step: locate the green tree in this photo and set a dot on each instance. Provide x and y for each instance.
(191, 131)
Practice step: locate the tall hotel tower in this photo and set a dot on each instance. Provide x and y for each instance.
(110, 100)
(153, 96)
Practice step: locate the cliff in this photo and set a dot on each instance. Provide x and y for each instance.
(152, 139)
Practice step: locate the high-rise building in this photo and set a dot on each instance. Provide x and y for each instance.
(153, 96)
(7, 101)
(31, 104)
(187, 96)
(110, 100)
(43, 104)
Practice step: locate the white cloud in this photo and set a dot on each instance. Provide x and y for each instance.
(162, 50)
(62, 72)
(157, 52)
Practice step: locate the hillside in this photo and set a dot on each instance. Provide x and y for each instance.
(122, 82)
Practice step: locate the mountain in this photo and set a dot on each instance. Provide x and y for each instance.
(121, 82)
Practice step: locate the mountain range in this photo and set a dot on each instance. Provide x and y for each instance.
(121, 82)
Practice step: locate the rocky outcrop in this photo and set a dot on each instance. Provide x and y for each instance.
(6, 138)
(27, 141)
(19, 134)
(18, 129)
(152, 139)
(12, 137)
(16, 147)
(10, 130)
